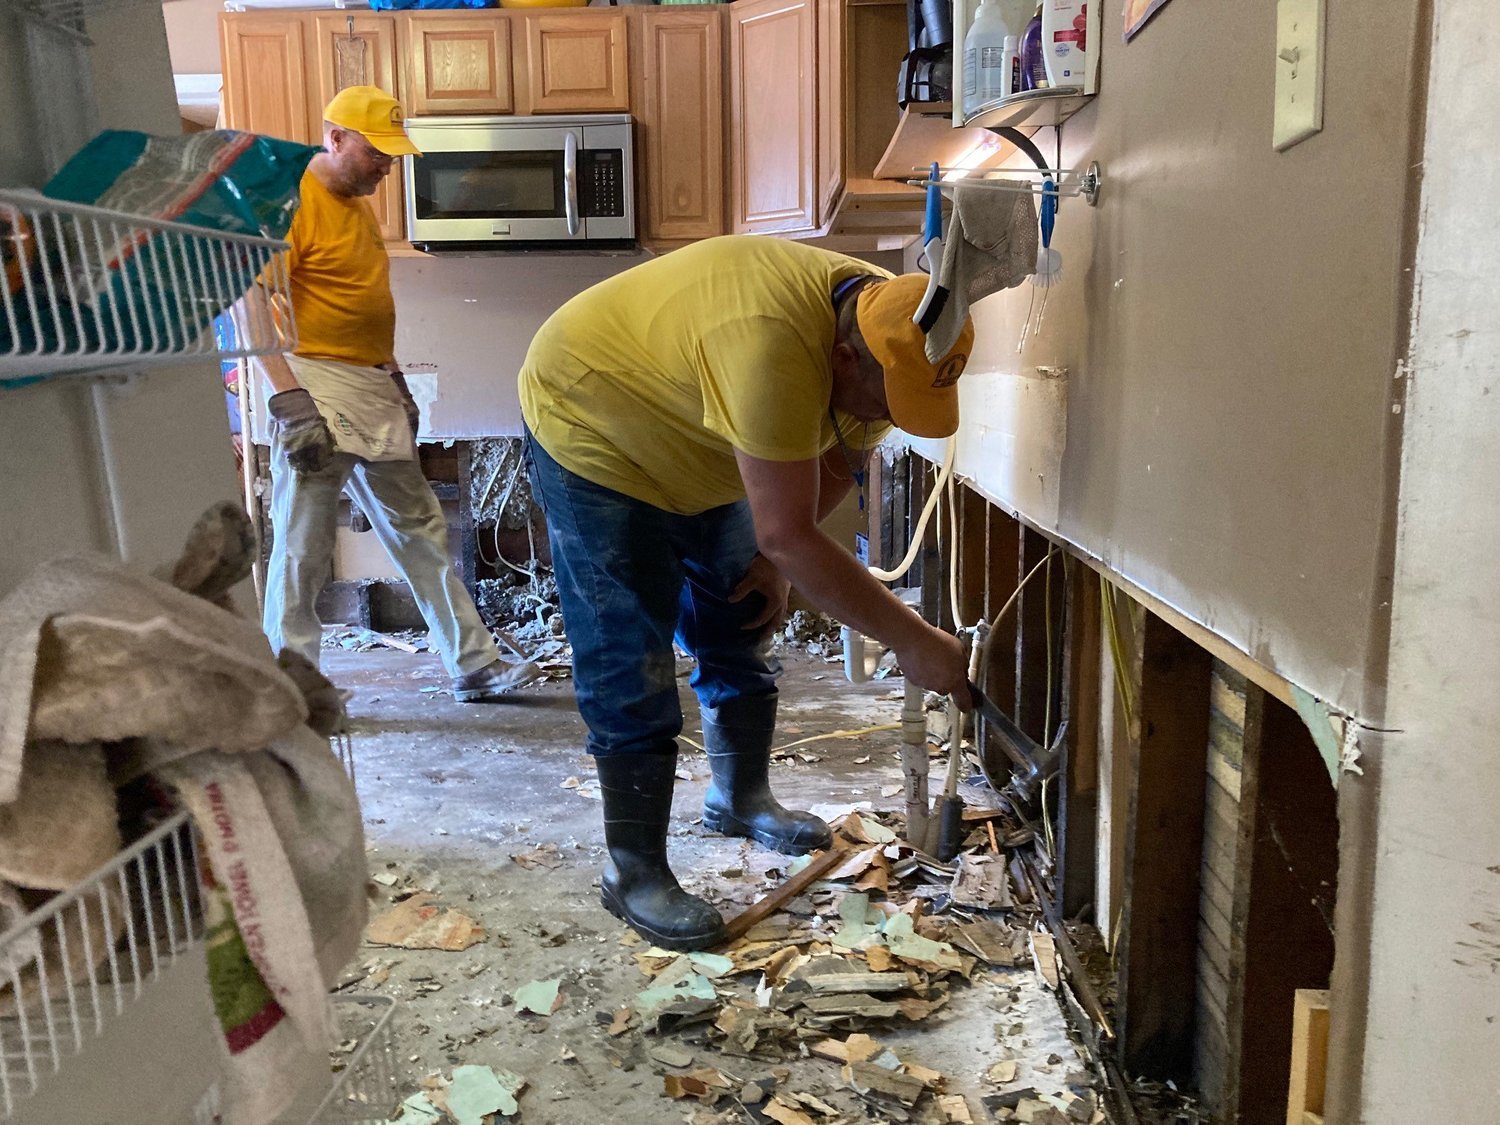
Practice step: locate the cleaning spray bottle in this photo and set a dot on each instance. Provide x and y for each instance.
(985, 74)
(1033, 59)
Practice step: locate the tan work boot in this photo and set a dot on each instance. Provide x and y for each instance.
(492, 681)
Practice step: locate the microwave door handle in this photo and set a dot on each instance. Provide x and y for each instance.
(570, 182)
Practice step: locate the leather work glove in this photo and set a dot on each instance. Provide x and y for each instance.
(304, 435)
(413, 415)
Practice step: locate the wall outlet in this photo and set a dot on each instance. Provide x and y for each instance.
(1299, 71)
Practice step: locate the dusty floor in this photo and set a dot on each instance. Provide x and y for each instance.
(452, 792)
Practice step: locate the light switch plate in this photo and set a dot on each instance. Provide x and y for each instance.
(1299, 71)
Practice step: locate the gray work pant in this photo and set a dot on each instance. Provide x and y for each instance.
(406, 518)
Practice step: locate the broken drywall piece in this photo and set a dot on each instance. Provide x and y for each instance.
(955, 1109)
(1044, 954)
(981, 882)
(671, 1054)
(540, 997)
(418, 923)
(909, 946)
(778, 1111)
(861, 922)
(690, 997)
(866, 830)
(476, 1092)
(417, 1110)
(711, 965)
(1324, 727)
(1349, 750)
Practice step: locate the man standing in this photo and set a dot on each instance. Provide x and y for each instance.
(344, 419)
(690, 422)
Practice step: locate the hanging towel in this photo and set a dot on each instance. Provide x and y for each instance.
(990, 245)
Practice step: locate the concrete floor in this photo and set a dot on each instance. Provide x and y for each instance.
(451, 792)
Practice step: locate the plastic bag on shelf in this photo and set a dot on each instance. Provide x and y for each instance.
(116, 288)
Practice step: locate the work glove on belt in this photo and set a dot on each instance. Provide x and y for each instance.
(303, 433)
(413, 415)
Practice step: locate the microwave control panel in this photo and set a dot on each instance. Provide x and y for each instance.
(601, 183)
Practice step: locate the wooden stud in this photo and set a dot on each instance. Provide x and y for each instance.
(999, 677)
(971, 543)
(1163, 851)
(1078, 810)
(1032, 680)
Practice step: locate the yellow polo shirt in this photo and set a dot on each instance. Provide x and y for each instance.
(340, 277)
(648, 382)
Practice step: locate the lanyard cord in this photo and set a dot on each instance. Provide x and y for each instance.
(856, 468)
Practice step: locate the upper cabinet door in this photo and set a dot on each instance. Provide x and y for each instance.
(265, 85)
(356, 49)
(575, 62)
(831, 102)
(773, 115)
(680, 118)
(457, 62)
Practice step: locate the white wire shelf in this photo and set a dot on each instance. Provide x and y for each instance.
(70, 15)
(84, 289)
(72, 965)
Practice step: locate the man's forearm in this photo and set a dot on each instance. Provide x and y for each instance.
(834, 581)
(278, 373)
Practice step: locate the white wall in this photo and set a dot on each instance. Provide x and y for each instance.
(472, 318)
(1425, 870)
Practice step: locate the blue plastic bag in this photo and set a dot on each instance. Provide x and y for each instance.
(402, 5)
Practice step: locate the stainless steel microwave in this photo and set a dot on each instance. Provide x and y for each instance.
(492, 182)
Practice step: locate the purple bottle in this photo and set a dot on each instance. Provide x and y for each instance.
(1033, 62)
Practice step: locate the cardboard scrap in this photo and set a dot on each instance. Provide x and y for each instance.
(778, 1111)
(540, 997)
(870, 1077)
(956, 1109)
(418, 923)
(478, 1091)
(989, 941)
(705, 1084)
(545, 856)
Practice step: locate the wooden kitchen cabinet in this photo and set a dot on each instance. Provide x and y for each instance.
(356, 49)
(456, 62)
(679, 110)
(812, 109)
(265, 82)
(773, 115)
(575, 62)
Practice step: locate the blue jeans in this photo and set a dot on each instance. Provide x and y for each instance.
(630, 576)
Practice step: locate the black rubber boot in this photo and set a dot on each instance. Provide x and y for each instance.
(737, 736)
(638, 887)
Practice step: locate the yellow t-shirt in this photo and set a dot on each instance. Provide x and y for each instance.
(340, 278)
(648, 382)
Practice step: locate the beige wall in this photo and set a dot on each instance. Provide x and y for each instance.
(1419, 977)
(1229, 317)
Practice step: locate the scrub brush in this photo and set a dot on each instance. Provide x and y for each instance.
(1048, 261)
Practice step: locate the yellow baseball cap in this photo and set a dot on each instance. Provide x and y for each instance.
(922, 395)
(375, 115)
